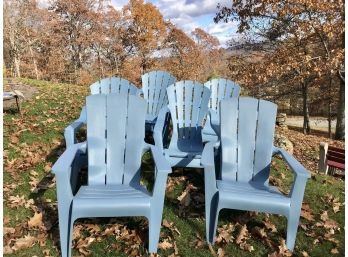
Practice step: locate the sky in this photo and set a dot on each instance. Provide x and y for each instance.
(190, 14)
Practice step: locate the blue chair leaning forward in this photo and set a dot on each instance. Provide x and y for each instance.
(188, 105)
(115, 138)
(104, 86)
(246, 150)
(220, 89)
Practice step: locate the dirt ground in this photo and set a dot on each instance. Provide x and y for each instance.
(319, 123)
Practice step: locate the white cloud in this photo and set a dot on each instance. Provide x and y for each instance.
(194, 8)
(118, 4)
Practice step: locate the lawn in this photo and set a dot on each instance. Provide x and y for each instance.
(34, 141)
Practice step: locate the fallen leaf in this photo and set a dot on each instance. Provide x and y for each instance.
(24, 242)
(243, 232)
(334, 251)
(36, 220)
(165, 244)
(324, 216)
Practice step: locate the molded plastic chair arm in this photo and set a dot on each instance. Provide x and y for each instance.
(63, 169)
(214, 118)
(207, 161)
(162, 165)
(301, 175)
(159, 126)
(213, 121)
(71, 130)
(64, 162)
(146, 148)
(163, 168)
(296, 167)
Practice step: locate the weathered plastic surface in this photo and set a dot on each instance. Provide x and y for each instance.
(115, 139)
(154, 89)
(247, 131)
(220, 89)
(188, 105)
(104, 86)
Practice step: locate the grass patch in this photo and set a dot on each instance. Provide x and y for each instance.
(40, 142)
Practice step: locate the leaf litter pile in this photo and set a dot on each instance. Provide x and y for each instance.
(33, 142)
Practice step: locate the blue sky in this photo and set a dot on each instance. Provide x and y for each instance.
(190, 14)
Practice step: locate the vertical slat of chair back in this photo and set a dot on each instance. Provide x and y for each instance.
(154, 85)
(96, 127)
(221, 89)
(113, 85)
(247, 122)
(267, 114)
(135, 136)
(229, 140)
(115, 137)
(247, 131)
(188, 104)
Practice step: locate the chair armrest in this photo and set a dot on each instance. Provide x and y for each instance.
(63, 169)
(146, 148)
(301, 176)
(64, 162)
(159, 127)
(295, 166)
(71, 130)
(162, 165)
(214, 117)
(207, 161)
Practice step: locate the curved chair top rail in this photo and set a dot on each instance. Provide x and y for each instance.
(221, 89)
(114, 85)
(154, 85)
(188, 103)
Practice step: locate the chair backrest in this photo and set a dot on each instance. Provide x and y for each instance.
(155, 85)
(114, 85)
(115, 136)
(188, 105)
(247, 132)
(221, 89)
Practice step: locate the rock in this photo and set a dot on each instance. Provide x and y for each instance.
(283, 142)
(281, 119)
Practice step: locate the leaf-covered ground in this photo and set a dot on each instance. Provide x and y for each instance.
(34, 141)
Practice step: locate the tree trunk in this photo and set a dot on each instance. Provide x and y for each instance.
(329, 119)
(340, 112)
(34, 63)
(329, 110)
(29, 42)
(306, 122)
(17, 67)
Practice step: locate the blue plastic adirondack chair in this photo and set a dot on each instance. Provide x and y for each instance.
(154, 89)
(246, 131)
(220, 89)
(115, 139)
(188, 105)
(104, 86)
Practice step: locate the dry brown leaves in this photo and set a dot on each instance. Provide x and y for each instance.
(306, 212)
(306, 147)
